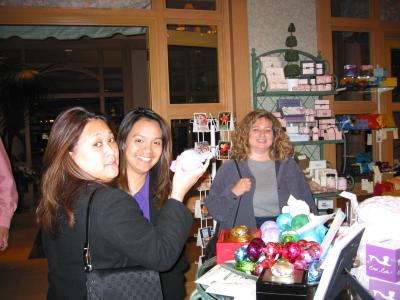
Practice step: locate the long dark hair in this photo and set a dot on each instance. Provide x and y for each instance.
(62, 178)
(160, 171)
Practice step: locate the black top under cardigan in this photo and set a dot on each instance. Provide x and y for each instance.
(173, 280)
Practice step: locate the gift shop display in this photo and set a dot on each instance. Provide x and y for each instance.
(216, 147)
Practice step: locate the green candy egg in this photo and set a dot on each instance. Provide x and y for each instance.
(245, 266)
(288, 236)
(299, 221)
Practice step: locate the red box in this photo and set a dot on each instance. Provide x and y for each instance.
(226, 248)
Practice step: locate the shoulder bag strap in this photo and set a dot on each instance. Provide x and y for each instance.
(237, 168)
(237, 208)
(86, 249)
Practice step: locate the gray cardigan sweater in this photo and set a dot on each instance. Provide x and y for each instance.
(222, 203)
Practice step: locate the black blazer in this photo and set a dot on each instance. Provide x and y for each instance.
(120, 236)
(173, 280)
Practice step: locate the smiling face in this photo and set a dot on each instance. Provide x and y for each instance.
(261, 137)
(96, 151)
(143, 147)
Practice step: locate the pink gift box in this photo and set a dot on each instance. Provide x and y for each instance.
(326, 121)
(380, 289)
(321, 106)
(323, 113)
(383, 260)
(321, 101)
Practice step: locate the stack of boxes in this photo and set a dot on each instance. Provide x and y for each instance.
(326, 124)
(307, 124)
(383, 269)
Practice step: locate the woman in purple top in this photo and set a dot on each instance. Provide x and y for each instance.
(145, 156)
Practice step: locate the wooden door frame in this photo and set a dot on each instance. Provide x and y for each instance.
(389, 106)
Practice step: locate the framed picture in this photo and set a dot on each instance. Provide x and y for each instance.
(205, 182)
(205, 235)
(319, 68)
(202, 146)
(224, 148)
(200, 122)
(200, 210)
(307, 67)
(224, 120)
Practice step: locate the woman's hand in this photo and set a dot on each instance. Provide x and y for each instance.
(184, 180)
(242, 186)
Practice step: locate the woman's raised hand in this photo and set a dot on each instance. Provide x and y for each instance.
(241, 187)
(184, 180)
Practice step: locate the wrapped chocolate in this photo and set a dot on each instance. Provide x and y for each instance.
(240, 234)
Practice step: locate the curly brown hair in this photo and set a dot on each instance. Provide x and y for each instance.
(281, 148)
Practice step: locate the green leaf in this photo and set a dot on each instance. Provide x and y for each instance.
(291, 55)
(291, 70)
(291, 41)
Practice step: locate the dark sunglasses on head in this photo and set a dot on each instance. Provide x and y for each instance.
(144, 111)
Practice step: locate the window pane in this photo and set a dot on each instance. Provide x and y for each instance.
(193, 74)
(390, 10)
(40, 56)
(82, 57)
(113, 81)
(66, 81)
(193, 4)
(115, 109)
(193, 63)
(182, 136)
(350, 8)
(350, 53)
(395, 59)
(42, 116)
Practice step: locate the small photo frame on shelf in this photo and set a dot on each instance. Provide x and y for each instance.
(205, 235)
(200, 122)
(307, 67)
(200, 211)
(205, 182)
(202, 146)
(224, 149)
(224, 120)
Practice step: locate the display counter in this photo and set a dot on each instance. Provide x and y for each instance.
(200, 290)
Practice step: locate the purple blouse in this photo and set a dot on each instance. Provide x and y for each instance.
(142, 198)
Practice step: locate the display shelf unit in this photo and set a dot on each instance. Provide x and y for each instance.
(267, 99)
(207, 224)
(261, 93)
(304, 147)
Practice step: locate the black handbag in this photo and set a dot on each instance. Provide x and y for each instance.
(118, 284)
(211, 248)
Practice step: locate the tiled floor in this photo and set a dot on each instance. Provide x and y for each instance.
(22, 278)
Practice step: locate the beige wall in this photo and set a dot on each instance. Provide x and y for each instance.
(269, 20)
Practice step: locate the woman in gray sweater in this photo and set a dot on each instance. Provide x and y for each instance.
(269, 174)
